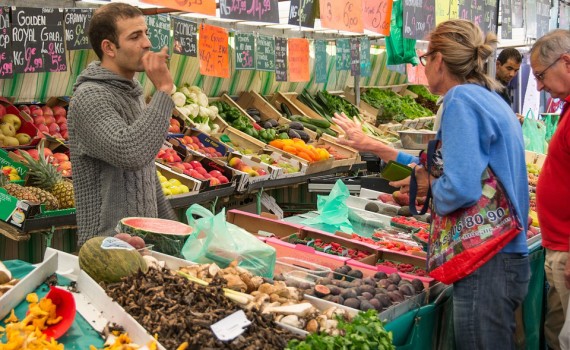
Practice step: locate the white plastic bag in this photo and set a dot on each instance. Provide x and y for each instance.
(564, 336)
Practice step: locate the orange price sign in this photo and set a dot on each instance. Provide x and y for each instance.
(298, 59)
(342, 15)
(376, 15)
(207, 7)
(213, 51)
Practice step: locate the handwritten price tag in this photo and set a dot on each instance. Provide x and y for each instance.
(185, 37)
(298, 60)
(158, 31)
(207, 7)
(250, 10)
(376, 15)
(6, 69)
(265, 53)
(76, 24)
(245, 51)
(320, 67)
(419, 18)
(342, 15)
(213, 51)
(280, 59)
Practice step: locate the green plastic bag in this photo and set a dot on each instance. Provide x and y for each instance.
(551, 122)
(216, 241)
(534, 134)
(333, 211)
(399, 49)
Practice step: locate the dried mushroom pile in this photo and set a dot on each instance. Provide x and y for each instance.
(180, 311)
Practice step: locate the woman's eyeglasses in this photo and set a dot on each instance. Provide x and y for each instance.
(423, 58)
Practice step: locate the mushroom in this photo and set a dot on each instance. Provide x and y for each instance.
(291, 320)
(266, 288)
(312, 326)
(213, 270)
(5, 274)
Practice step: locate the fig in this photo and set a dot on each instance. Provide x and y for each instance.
(136, 242)
(321, 291)
(418, 285)
(335, 290)
(367, 288)
(384, 299)
(392, 288)
(396, 296)
(366, 305)
(325, 281)
(304, 285)
(380, 275)
(395, 278)
(384, 283)
(376, 303)
(348, 293)
(355, 274)
(352, 302)
(407, 290)
(370, 281)
(367, 295)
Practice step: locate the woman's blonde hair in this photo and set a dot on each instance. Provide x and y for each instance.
(465, 51)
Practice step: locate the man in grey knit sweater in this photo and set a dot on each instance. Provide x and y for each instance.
(113, 135)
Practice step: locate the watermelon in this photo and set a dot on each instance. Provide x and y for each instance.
(167, 236)
(108, 259)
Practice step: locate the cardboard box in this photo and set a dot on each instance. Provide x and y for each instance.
(261, 226)
(27, 125)
(254, 164)
(194, 185)
(240, 141)
(309, 167)
(10, 159)
(282, 157)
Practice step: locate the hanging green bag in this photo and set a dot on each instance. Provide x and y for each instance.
(551, 122)
(333, 211)
(216, 241)
(399, 49)
(534, 134)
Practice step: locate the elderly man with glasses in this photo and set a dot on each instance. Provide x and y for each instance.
(550, 62)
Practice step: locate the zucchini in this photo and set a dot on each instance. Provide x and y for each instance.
(320, 123)
(286, 109)
(310, 126)
(330, 132)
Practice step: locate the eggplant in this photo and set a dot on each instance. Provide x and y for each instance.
(303, 135)
(296, 126)
(293, 134)
(267, 125)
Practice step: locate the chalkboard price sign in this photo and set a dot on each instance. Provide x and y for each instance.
(364, 57)
(320, 61)
(280, 59)
(159, 31)
(304, 11)
(490, 17)
(6, 68)
(245, 51)
(542, 17)
(76, 24)
(185, 37)
(342, 54)
(419, 18)
(472, 11)
(250, 10)
(507, 19)
(265, 57)
(38, 40)
(354, 56)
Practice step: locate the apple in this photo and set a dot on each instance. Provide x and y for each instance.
(223, 179)
(59, 111)
(66, 173)
(42, 128)
(47, 111)
(34, 107)
(187, 166)
(214, 181)
(195, 139)
(174, 129)
(187, 139)
(53, 128)
(196, 164)
(215, 173)
(12, 119)
(36, 112)
(64, 165)
(50, 119)
(60, 157)
(202, 171)
(65, 135)
(234, 162)
(2, 110)
(261, 172)
(33, 153)
(62, 126)
(174, 122)
(24, 109)
(40, 119)
(160, 153)
(60, 119)
(178, 165)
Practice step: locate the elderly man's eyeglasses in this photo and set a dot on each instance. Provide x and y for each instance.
(540, 76)
(423, 58)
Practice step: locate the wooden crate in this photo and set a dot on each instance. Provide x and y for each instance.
(254, 100)
(309, 112)
(352, 156)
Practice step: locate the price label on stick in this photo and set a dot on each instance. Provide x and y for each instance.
(302, 12)
(281, 59)
(159, 31)
(298, 60)
(320, 61)
(342, 54)
(354, 56)
(265, 53)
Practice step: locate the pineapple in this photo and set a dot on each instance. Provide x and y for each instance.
(17, 191)
(45, 176)
(45, 197)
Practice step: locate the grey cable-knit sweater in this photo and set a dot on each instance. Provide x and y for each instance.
(113, 139)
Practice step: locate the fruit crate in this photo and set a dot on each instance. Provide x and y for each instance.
(194, 185)
(282, 157)
(348, 156)
(253, 164)
(240, 141)
(51, 213)
(206, 140)
(262, 226)
(27, 125)
(254, 100)
(309, 167)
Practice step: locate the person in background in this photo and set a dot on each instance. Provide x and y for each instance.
(477, 131)
(114, 135)
(550, 63)
(508, 65)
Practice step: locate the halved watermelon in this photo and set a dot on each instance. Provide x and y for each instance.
(167, 236)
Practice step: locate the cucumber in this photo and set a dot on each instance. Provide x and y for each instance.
(320, 123)
(310, 126)
(330, 132)
(285, 109)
